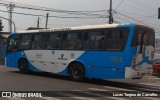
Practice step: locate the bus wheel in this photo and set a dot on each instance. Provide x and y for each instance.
(76, 72)
(158, 73)
(23, 66)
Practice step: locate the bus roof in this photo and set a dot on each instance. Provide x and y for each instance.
(78, 28)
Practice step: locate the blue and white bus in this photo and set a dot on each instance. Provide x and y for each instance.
(110, 51)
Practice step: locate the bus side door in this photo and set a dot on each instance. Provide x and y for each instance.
(12, 51)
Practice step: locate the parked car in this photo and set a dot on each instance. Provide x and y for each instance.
(156, 67)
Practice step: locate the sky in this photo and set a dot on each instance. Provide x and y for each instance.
(90, 12)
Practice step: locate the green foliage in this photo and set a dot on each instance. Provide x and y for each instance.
(1, 27)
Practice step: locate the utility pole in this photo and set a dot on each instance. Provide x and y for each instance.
(47, 20)
(110, 13)
(10, 8)
(38, 23)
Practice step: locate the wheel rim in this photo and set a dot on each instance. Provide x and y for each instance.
(22, 65)
(76, 71)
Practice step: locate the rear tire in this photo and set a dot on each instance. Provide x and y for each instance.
(76, 72)
(23, 66)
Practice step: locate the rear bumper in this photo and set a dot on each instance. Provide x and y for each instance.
(130, 73)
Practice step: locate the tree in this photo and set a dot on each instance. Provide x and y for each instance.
(1, 27)
(158, 13)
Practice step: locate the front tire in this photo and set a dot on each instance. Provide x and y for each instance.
(76, 72)
(23, 66)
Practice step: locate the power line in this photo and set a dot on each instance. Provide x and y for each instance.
(136, 20)
(91, 14)
(119, 4)
(141, 3)
(127, 16)
(31, 7)
(136, 6)
(140, 21)
(149, 17)
(134, 14)
(55, 16)
(11, 21)
(96, 14)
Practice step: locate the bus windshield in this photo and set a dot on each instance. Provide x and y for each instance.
(143, 36)
(13, 43)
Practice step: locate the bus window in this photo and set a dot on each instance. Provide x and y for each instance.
(13, 43)
(143, 36)
(37, 41)
(114, 40)
(25, 42)
(72, 40)
(53, 41)
(93, 40)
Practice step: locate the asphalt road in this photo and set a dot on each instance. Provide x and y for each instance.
(55, 87)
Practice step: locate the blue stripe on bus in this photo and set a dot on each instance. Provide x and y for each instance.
(14, 62)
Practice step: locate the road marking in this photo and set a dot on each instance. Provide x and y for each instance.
(97, 89)
(121, 89)
(76, 96)
(50, 98)
(149, 98)
(84, 98)
(116, 98)
(148, 76)
(144, 89)
(99, 95)
(77, 90)
(15, 98)
(91, 93)
(149, 84)
(153, 82)
(154, 78)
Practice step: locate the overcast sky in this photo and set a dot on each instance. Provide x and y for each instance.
(141, 11)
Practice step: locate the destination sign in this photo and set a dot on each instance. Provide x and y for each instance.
(53, 30)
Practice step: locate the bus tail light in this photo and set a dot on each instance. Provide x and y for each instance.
(133, 62)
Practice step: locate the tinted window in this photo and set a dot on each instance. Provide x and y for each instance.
(25, 41)
(143, 36)
(106, 39)
(72, 40)
(93, 40)
(115, 40)
(37, 41)
(53, 41)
